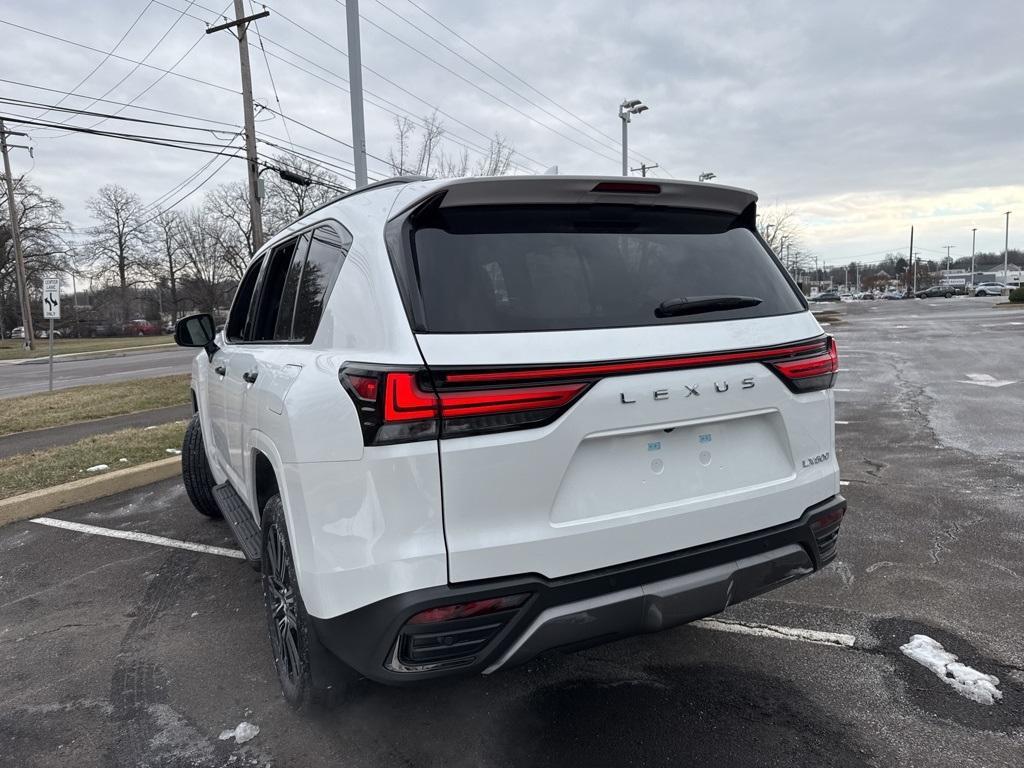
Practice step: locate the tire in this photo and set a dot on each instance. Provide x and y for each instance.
(310, 676)
(949, 295)
(195, 470)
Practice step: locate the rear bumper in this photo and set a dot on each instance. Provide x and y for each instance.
(577, 611)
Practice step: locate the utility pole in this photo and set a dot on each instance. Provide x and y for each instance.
(974, 234)
(241, 24)
(19, 259)
(915, 258)
(355, 89)
(644, 168)
(949, 259)
(910, 253)
(1006, 252)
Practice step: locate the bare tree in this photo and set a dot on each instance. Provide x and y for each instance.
(229, 204)
(286, 201)
(498, 159)
(43, 229)
(780, 228)
(421, 150)
(199, 235)
(119, 243)
(167, 229)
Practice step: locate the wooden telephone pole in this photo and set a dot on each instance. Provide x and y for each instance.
(19, 260)
(241, 23)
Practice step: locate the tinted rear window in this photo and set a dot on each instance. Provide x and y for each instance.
(533, 268)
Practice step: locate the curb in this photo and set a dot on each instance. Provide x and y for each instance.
(46, 500)
(1008, 305)
(96, 354)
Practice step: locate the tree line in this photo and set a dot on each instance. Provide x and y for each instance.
(137, 261)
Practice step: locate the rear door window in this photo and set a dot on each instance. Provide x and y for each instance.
(241, 306)
(327, 251)
(531, 268)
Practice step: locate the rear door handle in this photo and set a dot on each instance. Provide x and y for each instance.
(250, 376)
(220, 370)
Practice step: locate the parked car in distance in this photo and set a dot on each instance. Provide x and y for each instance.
(673, 414)
(168, 327)
(44, 333)
(846, 297)
(142, 327)
(936, 291)
(826, 296)
(989, 289)
(864, 296)
(17, 332)
(895, 295)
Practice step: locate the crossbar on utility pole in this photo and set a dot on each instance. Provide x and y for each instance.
(19, 259)
(355, 89)
(644, 168)
(241, 23)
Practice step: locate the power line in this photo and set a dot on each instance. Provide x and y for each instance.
(505, 69)
(270, 74)
(106, 58)
(485, 73)
(480, 88)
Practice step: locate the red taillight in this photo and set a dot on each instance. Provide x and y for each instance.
(465, 610)
(364, 386)
(808, 374)
(405, 401)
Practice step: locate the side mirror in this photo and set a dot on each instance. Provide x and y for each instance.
(196, 331)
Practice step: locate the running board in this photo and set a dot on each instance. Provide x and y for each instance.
(246, 531)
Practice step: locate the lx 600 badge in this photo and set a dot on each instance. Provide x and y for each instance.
(821, 457)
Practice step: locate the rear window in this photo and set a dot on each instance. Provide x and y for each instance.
(539, 268)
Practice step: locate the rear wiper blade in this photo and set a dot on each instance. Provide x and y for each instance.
(694, 305)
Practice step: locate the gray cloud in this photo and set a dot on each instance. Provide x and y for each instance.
(804, 102)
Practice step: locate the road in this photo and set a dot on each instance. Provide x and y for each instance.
(122, 653)
(26, 378)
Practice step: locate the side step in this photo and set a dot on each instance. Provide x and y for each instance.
(246, 531)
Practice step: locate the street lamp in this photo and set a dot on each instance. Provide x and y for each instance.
(628, 108)
(1006, 253)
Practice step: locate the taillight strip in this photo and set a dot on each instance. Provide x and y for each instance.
(761, 354)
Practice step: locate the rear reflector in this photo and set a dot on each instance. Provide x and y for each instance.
(465, 610)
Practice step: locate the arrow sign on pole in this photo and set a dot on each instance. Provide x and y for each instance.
(51, 298)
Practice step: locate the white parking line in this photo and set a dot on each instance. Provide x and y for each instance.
(842, 422)
(844, 482)
(146, 538)
(781, 633)
(839, 389)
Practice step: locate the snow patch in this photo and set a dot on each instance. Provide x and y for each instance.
(175, 451)
(97, 468)
(967, 681)
(122, 460)
(242, 732)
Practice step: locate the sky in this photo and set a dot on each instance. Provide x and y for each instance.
(862, 118)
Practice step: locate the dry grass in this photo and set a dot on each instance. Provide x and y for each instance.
(96, 401)
(11, 349)
(43, 469)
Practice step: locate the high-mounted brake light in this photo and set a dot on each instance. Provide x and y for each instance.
(628, 187)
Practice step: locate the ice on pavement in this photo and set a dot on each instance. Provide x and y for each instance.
(967, 681)
(97, 468)
(241, 732)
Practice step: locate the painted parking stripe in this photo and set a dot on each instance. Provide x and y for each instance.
(844, 482)
(782, 633)
(146, 538)
(842, 422)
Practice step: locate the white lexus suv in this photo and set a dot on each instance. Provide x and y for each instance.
(457, 423)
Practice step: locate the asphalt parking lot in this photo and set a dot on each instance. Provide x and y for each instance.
(125, 653)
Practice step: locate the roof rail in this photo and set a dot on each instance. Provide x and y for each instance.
(375, 185)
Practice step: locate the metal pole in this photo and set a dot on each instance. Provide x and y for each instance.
(914, 259)
(19, 261)
(51, 354)
(1006, 252)
(355, 87)
(910, 253)
(625, 161)
(974, 234)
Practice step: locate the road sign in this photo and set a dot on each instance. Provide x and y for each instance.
(51, 298)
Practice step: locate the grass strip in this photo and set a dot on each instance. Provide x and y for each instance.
(94, 401)
(118, 450)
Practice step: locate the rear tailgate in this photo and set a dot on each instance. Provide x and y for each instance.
(582, 430)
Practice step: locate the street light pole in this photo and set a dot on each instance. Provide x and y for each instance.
(974, 234)
(628, 108)
(1006, 252)
(355, 81)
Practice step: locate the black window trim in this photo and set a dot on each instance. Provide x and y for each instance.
(339, 229)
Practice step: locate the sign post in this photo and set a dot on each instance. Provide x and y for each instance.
(51, 312)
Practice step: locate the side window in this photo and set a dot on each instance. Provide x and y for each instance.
(326, 254)
(243, 299)
(274, 305)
